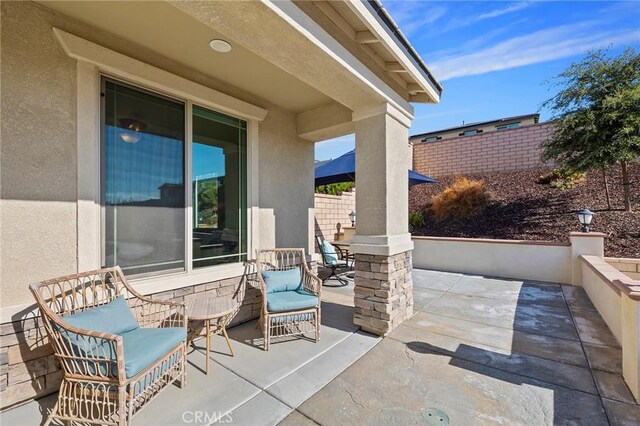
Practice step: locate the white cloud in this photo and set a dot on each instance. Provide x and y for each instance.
(499, 12)
(412, 16)
(540, 46)
(466, 20)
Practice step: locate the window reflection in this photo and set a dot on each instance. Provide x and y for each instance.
(143, 180)
(219, 188)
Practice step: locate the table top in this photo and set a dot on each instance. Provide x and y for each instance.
(208, 307)
(345, 243)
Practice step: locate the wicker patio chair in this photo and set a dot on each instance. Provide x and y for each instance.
(290, 294)
(118, 349)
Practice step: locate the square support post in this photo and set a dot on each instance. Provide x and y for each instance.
(584, 243)
(382, 244)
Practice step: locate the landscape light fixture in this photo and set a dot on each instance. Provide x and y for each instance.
(352, 216)
(585, 216)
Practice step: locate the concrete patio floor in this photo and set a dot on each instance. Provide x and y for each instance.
(484, 351)
(477, 351)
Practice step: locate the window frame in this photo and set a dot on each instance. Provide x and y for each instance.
(187, 176)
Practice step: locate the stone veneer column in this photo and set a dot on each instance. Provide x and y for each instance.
(383, 292)
(382, 244)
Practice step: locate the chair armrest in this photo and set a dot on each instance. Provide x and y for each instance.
(153, 313)
(312, 283)
(343, 253)
(88, 353)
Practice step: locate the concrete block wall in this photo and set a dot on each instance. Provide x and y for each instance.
(333, 210)
(499, 151)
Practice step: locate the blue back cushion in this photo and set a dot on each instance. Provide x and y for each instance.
(114, 317)
(329, 251)
(289, 280)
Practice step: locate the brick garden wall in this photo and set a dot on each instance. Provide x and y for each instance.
(28, 368)
(331, 210)
(505, 150)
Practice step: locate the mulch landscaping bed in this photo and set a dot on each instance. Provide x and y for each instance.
(521, 209)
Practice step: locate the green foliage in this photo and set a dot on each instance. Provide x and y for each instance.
(207, 193)
(563, 178)
(597, 113)
(334, 188)
(416, 220)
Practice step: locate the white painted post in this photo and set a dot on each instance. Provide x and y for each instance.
(584, 243)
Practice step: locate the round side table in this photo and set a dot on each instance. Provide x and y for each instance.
(215, 313)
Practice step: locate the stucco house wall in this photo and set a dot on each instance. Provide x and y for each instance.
(39, 192)
(39, 153)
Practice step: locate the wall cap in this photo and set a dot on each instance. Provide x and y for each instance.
(492, 241)
(615, 279)
(588, 234)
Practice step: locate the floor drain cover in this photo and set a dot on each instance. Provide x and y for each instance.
(433, 416)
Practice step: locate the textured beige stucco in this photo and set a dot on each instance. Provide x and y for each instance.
(39, 151)
(509, 259)
(286, 180)
(381, 176)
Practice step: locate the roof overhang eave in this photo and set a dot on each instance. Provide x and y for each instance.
(380, 23)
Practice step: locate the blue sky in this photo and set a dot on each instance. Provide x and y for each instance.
(493, 58)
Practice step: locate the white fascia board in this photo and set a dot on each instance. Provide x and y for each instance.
(304, 24)
(360, 9)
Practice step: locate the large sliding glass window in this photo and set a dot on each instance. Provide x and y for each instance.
(219, 188)
(144, 169)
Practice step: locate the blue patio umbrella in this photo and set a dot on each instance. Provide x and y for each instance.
(343, 169)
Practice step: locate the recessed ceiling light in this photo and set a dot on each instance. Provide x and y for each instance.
(220, 45)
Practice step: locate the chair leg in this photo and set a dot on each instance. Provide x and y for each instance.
(265, 331)
(183, 373)
(318, 323)
(333, 274)
(123, 417)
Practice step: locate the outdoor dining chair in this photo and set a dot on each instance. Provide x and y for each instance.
(331, 260)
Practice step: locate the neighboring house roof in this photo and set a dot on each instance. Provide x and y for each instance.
(497, 121)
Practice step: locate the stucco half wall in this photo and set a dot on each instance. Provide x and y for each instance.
(533, 260)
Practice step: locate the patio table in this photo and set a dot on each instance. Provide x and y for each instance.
(211, 315)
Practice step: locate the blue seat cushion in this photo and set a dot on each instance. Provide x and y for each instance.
(291, 300)
(329, 253)
(288, 280)
(114, 317)
(144, 346)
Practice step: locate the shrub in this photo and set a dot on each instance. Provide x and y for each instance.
(334, 188)
(416, 220)
(463, 198)
(562, 179)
